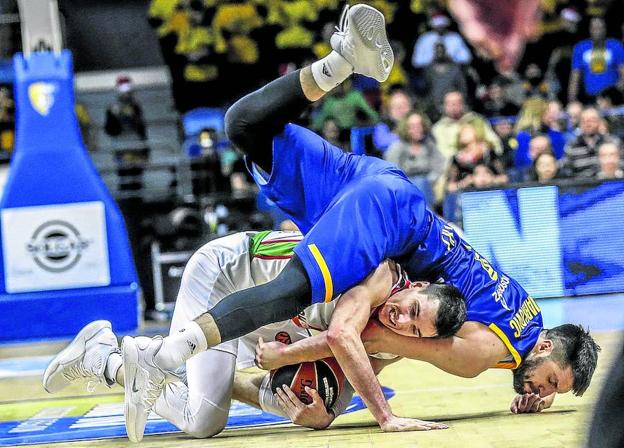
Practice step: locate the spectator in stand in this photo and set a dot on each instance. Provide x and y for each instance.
(581, 153)
(209, 173)
(348, 107)
(573, 112)
(609, 161)
(495, 104)
(503, 126)
(124, 122)
(598, 62)
(442, 76)
(545, 168)
(534, 82)
(416, 153)
(609, 103)
(539, 144)
(124, 118)
(561, 43)
(397, 107)
(424, 49)
(473, 150)
(332, 133)
(7, 123)
(446, 130)
(483, 176)
(539, 117)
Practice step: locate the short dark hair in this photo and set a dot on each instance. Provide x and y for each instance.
(574, 346)
(451, 310)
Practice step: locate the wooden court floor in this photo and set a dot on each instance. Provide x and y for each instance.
(477, 411)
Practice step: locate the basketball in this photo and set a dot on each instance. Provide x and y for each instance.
(325, 376)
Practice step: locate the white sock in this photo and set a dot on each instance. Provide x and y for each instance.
(331, 71)
(113, 363)
(180, 346)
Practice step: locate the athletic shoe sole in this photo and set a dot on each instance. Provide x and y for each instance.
(370, 27)
(130, 354)
(74, 350)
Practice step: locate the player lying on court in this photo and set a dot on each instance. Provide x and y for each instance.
(355, 212)
(199, 406)
(531, 379)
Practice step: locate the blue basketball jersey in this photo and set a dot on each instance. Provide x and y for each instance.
(492, 297)
(356, 211)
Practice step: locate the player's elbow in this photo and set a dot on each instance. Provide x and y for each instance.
(236, 125)
(340, 336)
(473, 369)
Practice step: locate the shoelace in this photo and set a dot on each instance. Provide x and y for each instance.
(152, 392)
(343, 23)
(77, 372)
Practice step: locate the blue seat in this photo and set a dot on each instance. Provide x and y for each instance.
(358, 139)
(201, 118)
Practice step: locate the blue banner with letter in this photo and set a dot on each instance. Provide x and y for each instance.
(555, 240)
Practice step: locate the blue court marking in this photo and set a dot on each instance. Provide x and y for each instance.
(107, 422)
(18, 367)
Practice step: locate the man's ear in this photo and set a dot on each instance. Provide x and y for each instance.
(420, 284)
(545, 347)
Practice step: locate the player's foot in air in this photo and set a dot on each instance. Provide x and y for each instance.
(84, 358)
(361, 39)
(144, 381)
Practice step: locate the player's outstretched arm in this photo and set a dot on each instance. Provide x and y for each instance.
(474, 348)
(273, 355)
(348, 321)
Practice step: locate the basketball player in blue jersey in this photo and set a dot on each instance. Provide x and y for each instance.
(356, 211)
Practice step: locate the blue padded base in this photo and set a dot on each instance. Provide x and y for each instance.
(50, 314)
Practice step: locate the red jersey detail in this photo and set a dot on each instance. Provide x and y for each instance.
(402, 283)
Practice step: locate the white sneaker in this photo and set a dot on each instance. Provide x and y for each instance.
(361, 39)
(84, 357)
(144, 381)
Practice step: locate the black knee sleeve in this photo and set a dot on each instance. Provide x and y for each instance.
(253, 121)
(280, 299)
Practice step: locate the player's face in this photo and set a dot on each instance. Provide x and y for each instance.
(410, 313)
(543, 376)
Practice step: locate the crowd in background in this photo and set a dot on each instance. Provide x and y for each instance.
(444, 116)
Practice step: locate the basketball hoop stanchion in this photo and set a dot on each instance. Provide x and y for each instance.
(66, 259)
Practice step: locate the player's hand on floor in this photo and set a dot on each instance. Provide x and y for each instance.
(313, 415)
(398, 424)
(270, 355)
(527, 403)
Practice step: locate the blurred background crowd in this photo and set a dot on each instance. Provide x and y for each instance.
(446, 116)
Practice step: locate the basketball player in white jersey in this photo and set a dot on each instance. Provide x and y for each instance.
(199, 405)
